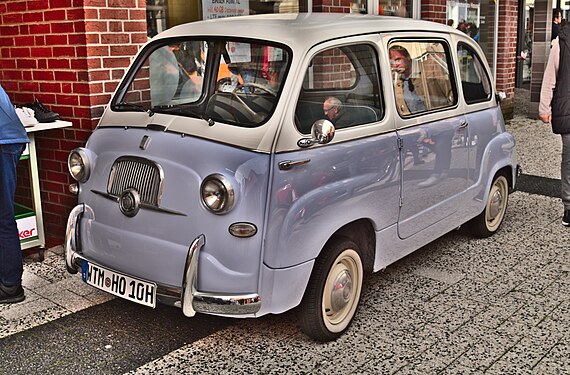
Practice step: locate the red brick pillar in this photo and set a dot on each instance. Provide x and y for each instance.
(434, 10)
(331, 6)
(507, 53)
(70, 55)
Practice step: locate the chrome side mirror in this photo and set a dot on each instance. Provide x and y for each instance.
(322, 132)
(500, 96)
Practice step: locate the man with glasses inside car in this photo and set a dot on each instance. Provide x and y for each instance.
(336, 113)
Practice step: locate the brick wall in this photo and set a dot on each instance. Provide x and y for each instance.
(507, 53)
(331, 6)
(332, 69)
(70, 55)
(434, 10)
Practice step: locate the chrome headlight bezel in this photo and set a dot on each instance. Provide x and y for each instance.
(217, 194)
(79, 165)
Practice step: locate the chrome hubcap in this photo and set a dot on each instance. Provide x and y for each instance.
(341, 292)
(495, 204)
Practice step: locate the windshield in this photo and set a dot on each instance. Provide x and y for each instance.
(235, 82)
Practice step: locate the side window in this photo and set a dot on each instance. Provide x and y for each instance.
(341, 84)
(475, 82)
(421, 76)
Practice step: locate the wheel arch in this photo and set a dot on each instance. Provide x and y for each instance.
(362, 233)
(508, 172)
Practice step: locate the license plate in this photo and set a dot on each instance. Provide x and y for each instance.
(123, 286)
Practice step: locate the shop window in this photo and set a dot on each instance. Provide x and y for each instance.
(474, 81)
(342, 85)
(475, 18)
(399, 8)
(421, 76)
(155, 17)
(164, 14)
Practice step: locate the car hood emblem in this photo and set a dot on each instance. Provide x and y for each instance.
(129, 202)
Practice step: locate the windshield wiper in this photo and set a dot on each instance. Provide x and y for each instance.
(135, 106)
(184, 111)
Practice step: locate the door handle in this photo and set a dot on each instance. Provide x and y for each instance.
(288, 164)
(463, 124)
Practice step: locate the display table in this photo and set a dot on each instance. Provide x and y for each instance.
(30, 220)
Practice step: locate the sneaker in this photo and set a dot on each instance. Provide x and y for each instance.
(11, 294)
(27, 116)
(566, 218)
(42, 113)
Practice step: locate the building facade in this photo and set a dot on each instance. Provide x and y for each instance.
(71, 54)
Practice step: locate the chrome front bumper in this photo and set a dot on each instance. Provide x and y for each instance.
(187, 297)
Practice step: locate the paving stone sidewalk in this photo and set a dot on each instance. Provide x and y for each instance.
(51, 293)
(457, 306)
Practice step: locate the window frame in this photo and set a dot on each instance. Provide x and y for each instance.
(380, 97)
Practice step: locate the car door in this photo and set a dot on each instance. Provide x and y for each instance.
(432, 132)
(481, 111)
(317, 189)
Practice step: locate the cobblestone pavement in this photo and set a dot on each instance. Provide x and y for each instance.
(457, 306)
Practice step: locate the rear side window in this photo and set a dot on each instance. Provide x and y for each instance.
(341, 85)
(421, 76)
(474, 81)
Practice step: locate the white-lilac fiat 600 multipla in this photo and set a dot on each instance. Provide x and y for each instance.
(246, 166)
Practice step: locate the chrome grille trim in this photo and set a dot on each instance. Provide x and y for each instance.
(143, 175)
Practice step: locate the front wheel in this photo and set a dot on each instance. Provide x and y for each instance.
(488, 221)
(333, 293)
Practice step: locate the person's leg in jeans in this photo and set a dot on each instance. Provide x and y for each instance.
(11, 267)
(565, 177)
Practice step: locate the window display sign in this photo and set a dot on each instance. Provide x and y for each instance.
(238, 52)
(213, 9)
(27, 225)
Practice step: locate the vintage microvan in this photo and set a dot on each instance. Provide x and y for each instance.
(250, 165)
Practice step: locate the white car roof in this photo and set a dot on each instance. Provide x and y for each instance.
(302, 29)
(300, 32)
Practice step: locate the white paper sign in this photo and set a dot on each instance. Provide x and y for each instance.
(213, 9)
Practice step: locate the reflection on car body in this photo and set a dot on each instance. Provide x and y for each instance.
(217, 182)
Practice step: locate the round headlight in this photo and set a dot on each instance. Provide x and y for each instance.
(78, 165)
(217, 194)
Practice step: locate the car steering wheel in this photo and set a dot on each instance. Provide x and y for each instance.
(255, 86)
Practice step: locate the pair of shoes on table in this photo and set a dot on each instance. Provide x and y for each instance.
(11, 294)
(42, 113)
(566, 218)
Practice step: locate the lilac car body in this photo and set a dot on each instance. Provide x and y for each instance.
(283, 194)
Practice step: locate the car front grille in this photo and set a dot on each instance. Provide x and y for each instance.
(143, 175)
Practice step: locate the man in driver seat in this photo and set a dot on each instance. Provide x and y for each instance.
(336, 113)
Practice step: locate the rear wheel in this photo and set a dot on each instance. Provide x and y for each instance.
(489, 221)
(333, 293)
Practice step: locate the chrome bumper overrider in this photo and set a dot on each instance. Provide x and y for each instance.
(188, 297)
